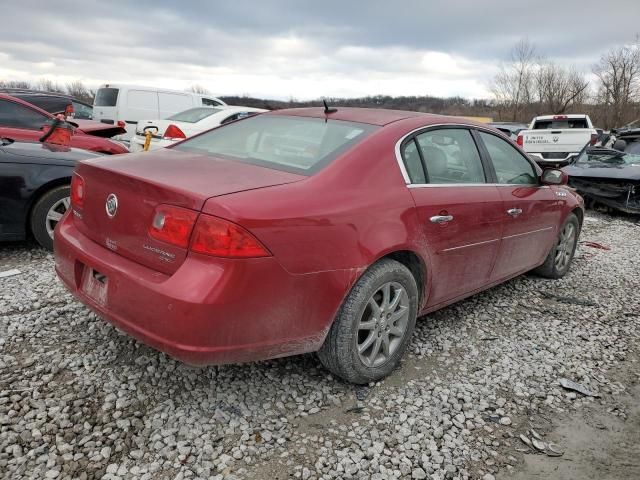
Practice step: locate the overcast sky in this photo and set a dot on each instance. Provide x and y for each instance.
(301, 49)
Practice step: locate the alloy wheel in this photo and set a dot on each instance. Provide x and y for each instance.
(383, 324)
(55, 213)
(566, 244)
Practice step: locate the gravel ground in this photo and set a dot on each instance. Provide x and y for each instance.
(78, 399)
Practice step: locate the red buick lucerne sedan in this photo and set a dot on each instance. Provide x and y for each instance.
(309, 230)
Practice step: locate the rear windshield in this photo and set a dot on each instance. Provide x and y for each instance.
(106, 97)
(294, 144)
(194, 115)
(560, 124)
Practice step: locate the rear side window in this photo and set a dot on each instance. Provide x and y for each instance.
(106, 97)
(510, 166)
(294, 144)
(194, 115)
(560, 124)
(413, 163)
(451, 156)
(14, 115)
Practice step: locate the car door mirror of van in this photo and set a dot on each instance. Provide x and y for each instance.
(554, 176)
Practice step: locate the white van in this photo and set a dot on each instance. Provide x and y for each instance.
(124, 105)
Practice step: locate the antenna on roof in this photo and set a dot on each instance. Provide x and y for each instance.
(328, 110)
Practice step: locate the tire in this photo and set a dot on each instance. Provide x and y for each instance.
(552, 267)
(46, 213)
(357, 321)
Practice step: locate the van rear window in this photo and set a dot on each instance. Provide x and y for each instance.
(560, 124)
(106, 97)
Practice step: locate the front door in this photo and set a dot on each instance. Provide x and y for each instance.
(460, 213)
(531, 211)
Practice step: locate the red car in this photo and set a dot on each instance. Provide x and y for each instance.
(309, 230)
(20, 120)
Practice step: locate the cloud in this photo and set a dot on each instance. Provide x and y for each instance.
(282, 48)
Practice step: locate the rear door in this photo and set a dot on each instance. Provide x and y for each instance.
(105, 105)
(530, 212)
(460, 213)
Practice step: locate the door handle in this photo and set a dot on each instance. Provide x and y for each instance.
(441, 219)
(514, 212)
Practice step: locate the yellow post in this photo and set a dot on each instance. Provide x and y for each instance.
(147, 140)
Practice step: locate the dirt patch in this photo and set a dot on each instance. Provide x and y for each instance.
(600, 441)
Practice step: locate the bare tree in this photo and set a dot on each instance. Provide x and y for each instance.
(557, 88)
(15, 84)
(512, 85)
(196, 88)
(47, 85)
(78, 90)
(618, 82)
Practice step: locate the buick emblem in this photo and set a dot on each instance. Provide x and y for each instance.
(111, 205)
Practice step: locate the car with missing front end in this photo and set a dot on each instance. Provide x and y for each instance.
(34, 188)
(607, 177)
(309, 230)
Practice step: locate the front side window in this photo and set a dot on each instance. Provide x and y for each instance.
(82, 111)
(294, 144)
(451, 156)
(510, 166)
(14, 115)
(211, 103)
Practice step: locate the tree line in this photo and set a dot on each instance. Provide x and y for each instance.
(526, 85)
(529, 84)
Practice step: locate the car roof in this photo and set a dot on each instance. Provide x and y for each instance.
(373, 116)
(380, 116)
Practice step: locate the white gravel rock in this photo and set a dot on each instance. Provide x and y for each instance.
(78, 399)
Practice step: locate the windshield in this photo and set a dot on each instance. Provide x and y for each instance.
(295, 144)
(194, 115)
(106, 97)
(608, 156)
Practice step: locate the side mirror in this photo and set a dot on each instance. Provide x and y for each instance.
(554, 176)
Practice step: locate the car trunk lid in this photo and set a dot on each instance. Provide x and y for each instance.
(142, 182)
(97, 129)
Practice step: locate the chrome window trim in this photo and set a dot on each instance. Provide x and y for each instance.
(426, 128)
(440, 185)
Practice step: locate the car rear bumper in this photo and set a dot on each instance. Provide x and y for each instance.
(211, 310)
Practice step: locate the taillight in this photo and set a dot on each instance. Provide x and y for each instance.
(594, 139)
(122, 124)
(519, 140)
(220, 238)
(173, 225)
(77, 191)
(560, 117)
(172, 132)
